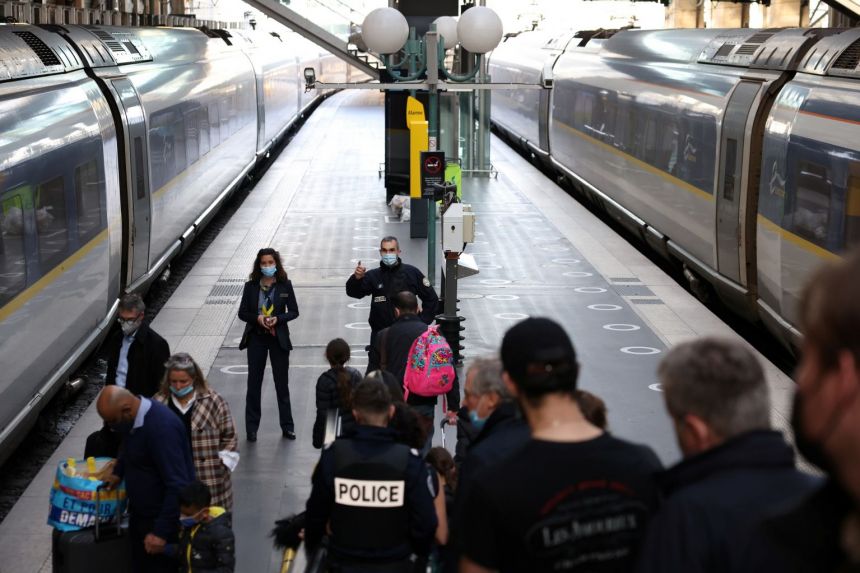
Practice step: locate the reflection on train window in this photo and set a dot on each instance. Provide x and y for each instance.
(812, 203)
(650, 155)
(13, 266)
(668, 157)
(852, 208)
(166, 146)
(203, 131)
(215, 124)
(192, 147)
(88, 198)
(582, 109)
(51, 225)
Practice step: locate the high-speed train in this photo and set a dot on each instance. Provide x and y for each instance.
(117, 145)
(735, 153)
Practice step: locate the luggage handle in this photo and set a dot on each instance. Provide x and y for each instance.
(117, 514)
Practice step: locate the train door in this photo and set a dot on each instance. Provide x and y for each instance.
(729, 184)
(138, 188)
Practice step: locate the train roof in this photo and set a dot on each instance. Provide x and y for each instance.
(29, 51)
(835, 55)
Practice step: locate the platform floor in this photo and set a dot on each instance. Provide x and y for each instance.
(322, 205)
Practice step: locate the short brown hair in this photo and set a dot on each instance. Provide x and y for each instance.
(830, 310)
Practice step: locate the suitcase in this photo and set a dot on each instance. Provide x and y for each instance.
(102, 548)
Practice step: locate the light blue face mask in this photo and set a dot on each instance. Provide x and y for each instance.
(476, 420)
(389, 259)
(182, 392)
(269, 271)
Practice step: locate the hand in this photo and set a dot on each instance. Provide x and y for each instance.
(359, 271)
(451, 417)
(261, 320)
(271, 321)
(111, 481)
(153, 544)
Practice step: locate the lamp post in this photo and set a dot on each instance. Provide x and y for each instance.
(386, 32)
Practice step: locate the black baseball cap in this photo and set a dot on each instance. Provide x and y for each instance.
(538, 355)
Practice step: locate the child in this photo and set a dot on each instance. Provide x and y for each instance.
(334, 387)
(206, 542)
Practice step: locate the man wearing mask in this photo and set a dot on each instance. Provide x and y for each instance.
(136, 354)
(822, 533)
(382, 283)
(156, 464)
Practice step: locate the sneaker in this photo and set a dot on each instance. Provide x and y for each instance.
(290, 435)
(252, 436)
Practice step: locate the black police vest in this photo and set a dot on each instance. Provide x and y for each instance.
(370, 497)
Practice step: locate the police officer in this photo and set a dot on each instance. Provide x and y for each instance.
(392, 276)
(374, 494)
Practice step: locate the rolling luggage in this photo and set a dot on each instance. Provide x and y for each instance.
(101, 548)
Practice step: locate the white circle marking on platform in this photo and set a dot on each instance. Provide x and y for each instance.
(604, 307)
(366, 228)
(365, 220)
(578, 274)
(502, 297)
(555, 248)
(358, 306)
(358, 326)
(511, 315)
(365, 248)
(235, 369)
(565, 261)
(489, 267)
(469, 295)
(492, 282)
(640, 350)
(363, 237)
(656, 387)
(590, 290)
(621, 327)
(483, 254)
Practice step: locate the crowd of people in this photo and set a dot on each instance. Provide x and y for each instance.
(537, 482)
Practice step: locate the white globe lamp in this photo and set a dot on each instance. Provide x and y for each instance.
(479, 30)
(446, 26)
(384, 30)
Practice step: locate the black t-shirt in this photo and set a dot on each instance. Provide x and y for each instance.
(580, 506)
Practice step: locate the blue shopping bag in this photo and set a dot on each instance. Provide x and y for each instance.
(73, 498)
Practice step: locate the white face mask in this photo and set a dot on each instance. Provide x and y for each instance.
(129, 326)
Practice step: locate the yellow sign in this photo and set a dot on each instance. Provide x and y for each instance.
(418, 141)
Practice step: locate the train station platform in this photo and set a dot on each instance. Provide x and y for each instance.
(323, 206)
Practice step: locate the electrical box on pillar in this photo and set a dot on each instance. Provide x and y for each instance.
(458, 227)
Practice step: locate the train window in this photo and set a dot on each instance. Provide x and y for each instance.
(192, 146)
(215, 124)
(583, 108)
(730, 169)
(139, 167)
(224, 106)
(668, 157)
(203, 131)
(51, 225)
(13, 265)
(852, 208)
(811, 216)
(650, 139)
(88, 196)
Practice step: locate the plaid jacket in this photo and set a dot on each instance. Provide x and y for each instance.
(212, 431)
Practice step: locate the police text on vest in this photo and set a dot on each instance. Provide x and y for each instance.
(369, 493)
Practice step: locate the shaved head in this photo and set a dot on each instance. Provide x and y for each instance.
(113, 402)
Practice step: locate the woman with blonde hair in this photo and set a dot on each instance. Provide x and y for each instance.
(209, 424)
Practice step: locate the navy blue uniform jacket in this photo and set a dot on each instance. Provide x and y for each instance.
(286, 309)
(383, 283)
(156, 463)
(419, 499)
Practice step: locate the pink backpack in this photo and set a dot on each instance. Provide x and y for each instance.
(430, 366)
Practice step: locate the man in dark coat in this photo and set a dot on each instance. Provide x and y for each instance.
(500, 431)
(156, 464)
(735, 469)
(391, 352)
(136, 353)
(822, 533)
(382, 283)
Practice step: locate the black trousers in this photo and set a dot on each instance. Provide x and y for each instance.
(373, 357)
(141, 561)
(259, 347)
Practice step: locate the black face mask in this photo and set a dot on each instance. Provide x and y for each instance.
(812, 451)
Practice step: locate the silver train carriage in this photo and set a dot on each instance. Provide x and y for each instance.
(117, 145)
(732, 152)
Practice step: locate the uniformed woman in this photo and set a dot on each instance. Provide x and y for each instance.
(268, 304)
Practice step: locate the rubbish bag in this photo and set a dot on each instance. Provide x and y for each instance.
(73, 494)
